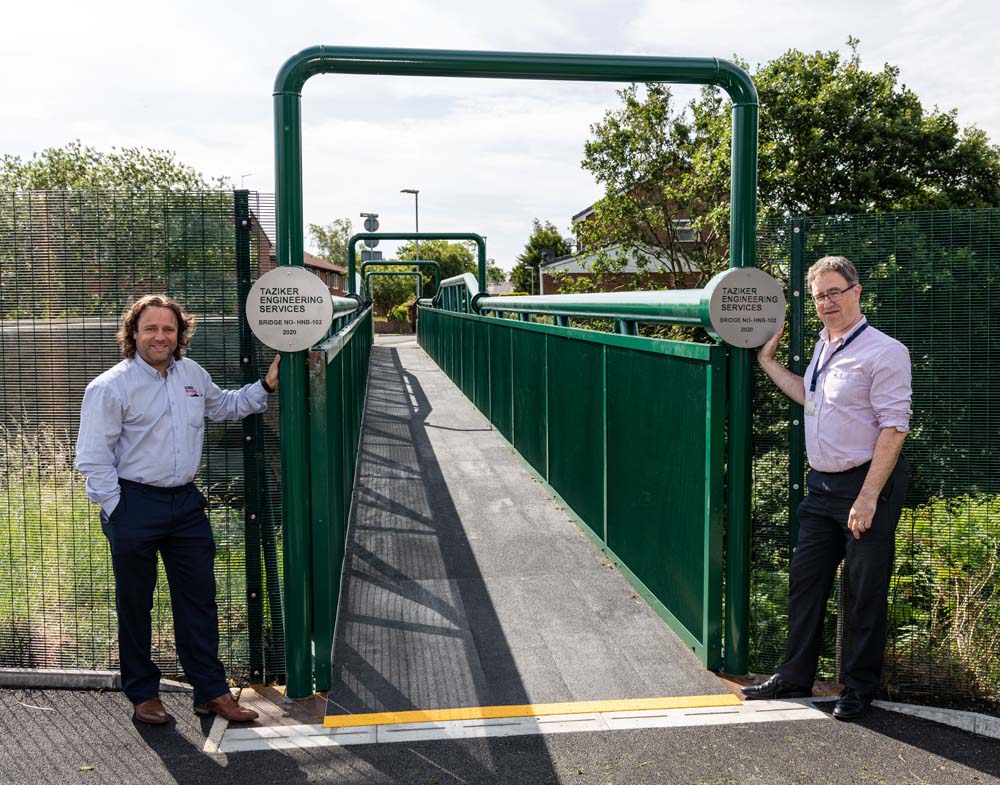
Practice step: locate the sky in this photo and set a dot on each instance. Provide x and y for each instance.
(487, 156)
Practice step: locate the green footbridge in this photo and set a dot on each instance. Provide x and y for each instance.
(512, 511)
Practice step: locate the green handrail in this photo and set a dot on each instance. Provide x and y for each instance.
(689, 306)
(504, 65)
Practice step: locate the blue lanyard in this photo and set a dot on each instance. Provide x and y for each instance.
(818, 369)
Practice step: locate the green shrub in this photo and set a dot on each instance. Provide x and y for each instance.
(401, 313)
(945, 599)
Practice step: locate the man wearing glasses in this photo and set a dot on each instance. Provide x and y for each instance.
(856, 398)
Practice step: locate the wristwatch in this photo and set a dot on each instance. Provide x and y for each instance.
(267, 388)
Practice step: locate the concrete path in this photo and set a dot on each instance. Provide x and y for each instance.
(466, 584)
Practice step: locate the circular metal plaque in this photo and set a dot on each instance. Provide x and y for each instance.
(371, 224)
(289, 309)
(746, 306)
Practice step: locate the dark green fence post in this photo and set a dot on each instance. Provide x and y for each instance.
(253, 442)
(294, 405)
(796, 364)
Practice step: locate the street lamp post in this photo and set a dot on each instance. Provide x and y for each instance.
(416, 219)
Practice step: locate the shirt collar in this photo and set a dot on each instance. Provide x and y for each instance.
(149, 369)
(824, 334)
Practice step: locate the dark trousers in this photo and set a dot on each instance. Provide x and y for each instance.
(173, 523)
(824, 540)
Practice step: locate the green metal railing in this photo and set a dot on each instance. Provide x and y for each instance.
(338, 381)
(595, 415)
(288, 87)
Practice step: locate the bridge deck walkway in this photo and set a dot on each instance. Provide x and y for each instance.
(466, 584)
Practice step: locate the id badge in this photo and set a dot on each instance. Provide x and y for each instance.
(810, 407)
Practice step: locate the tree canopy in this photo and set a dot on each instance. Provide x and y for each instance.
(331, 240)
(455, 258)
(544, 240)
(834, 139)
(78, 167)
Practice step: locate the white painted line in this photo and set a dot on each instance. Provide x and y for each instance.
(284, 737)
(215, 736)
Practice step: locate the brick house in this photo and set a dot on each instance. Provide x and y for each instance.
(641, 257)
(333, 275)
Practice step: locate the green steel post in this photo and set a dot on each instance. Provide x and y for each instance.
(742, 253)
(294, 414)
(252, 447)
(796, 364)
(325, 575)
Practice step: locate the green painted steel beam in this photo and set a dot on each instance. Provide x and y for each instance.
(352, 252)
(435, 266)
(513, 65)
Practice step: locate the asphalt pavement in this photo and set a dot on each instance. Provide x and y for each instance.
(89, 738)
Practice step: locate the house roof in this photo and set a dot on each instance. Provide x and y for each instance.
(652, 262)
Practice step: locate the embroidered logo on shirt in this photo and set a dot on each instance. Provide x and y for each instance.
(189, 390)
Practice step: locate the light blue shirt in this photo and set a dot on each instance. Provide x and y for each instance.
(137, 425)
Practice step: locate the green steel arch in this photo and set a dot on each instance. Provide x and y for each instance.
(288, 85)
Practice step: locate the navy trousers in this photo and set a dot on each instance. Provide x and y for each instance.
(173, 523)
(824, 541)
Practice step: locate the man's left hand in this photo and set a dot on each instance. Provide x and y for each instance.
(860, 518)
(272, 373)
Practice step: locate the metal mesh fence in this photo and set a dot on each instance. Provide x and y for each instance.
(928, 281)
(69, 264)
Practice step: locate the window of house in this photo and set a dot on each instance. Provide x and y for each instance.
(685, 231)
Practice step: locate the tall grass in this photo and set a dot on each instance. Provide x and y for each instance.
(57, 605)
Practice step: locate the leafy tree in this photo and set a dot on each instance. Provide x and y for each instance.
(834, 139)
(454, 258)
(544, 240)
(495, 275)
(390, 291)
(331, 240)
(115, 225)
(77, 167)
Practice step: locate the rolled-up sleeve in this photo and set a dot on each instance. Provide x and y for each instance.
(100, 428)
(892, 388)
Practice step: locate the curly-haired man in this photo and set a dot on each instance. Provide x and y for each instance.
(141, 430)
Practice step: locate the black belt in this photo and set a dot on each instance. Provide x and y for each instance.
(141, 486)
(864, 466)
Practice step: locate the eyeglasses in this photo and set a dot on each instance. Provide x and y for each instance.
(833, 295)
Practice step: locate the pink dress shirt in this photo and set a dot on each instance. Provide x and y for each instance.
(860, 390)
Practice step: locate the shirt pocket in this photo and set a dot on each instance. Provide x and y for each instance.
(195, 410)
(846, 386)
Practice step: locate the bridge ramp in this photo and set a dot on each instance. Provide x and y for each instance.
(466, 584)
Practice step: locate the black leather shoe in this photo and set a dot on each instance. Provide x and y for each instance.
(851, 705)
(776, 688)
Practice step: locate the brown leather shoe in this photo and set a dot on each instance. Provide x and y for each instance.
(152, 712)
(227, 708)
